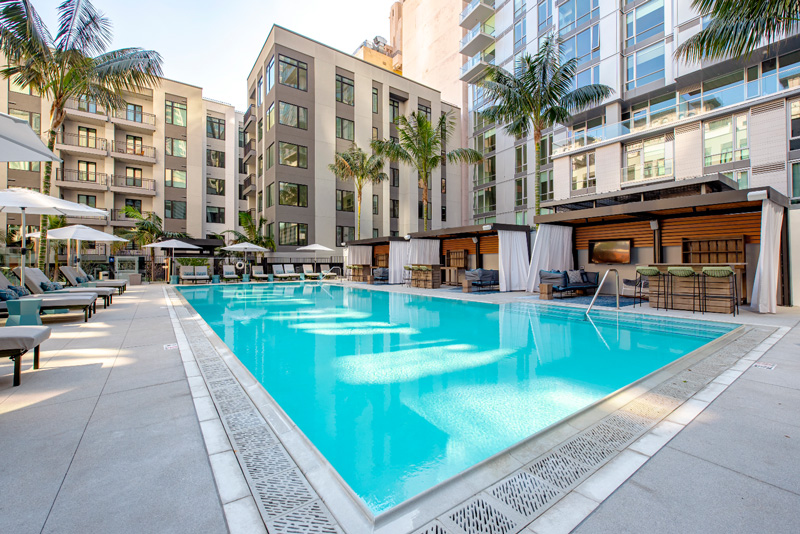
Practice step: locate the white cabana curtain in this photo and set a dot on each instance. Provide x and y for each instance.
(398, 257)
(359, 255)
(513, 260)
(551, 250)
(424, 252)
(765, 283)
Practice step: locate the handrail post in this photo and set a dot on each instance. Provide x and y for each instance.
(596, 293)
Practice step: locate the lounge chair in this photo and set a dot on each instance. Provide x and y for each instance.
(229, 273)
(201, 274)
(289, 269)
(76, 280)
(35, 280)
(308, 270)
(279, 272)
(187, 274)
(257, 272)
(119, 285)
(84, 302)
(328, 271)
(17, 340)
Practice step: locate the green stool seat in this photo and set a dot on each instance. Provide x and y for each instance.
(648, 271)
(683, 272)
(718, 272)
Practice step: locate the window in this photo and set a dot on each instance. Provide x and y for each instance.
(584, 46)
(444, 213)
(87, 137)
(394, 233)
(519, 8)
(545, 149)
(270, 195)
(175, 209)
(483, 200)
(133, 145)
(545, 14)
(345, 200)
(241, 138)
(583, 171)
(647, 159)
(485, 172)
(376, 232)
(88, 200)
(394, 177)
(87, 171)
(586, 133)
(520, 217)
(293, 155)
(294, 116)
(34, 120)
(295, 234)
(215, 215)
(132, 113)
(644, 22)
(521, 158)
(794, 127)
(175, 113)
(271, 231)
(546, 185)
(270, 116)
(33, 166)
(176, 147)
(344, 234)
(215, 186)
(14, 87)
(260, 129)
(394, 110)
(260, 166)
(345, 91)
(215, 158)
(394, 208)
(521, 191)
(292, 73)
(270, 156)
(374, 133)
(375, 204)
(795, 185)
(487, 141)
(133, 177)
(425, 110)
(259, 201)
(574, 13)
(87, 104)
(742, 178)
(215, 128)
(134, 203)
(420, 208)
(588, 76)
(345, 129)
(175, 178)
(375, 100)
(270, 74)
(644, 66)
(444, 186)
(519, 34)
(293, 195)
(725, 140)
(260, 91)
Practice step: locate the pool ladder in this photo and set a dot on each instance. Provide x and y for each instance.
(597, 292)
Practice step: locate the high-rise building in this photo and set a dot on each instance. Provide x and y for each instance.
(379, 52)
(307, 102)
(171, 152)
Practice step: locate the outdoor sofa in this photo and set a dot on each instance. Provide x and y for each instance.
(567, 282)
(194, 274)
(380, 275)
(481, 279)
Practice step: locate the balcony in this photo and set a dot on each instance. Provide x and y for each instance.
(133, 186)
(249, 185)
(118, 218)
(476, 12)
(651, 170)
(88, 221)
(478, 38)
(134, 120)
(249, 151)
(85, 111)
(475, 67)
(85, 181)
(133, 153)
(82, 145)
(249, 117)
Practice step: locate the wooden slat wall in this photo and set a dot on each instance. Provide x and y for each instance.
(639, 231)
(459, 244)
(747, 224)
(380, 249)
(490, 245)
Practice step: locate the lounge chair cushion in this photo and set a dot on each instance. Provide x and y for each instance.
(7, 294)
(23, 337)
(81, 279)
(90, 277)
(20, 291)
(51, 286)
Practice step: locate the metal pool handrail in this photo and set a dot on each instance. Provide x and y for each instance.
(597, 292)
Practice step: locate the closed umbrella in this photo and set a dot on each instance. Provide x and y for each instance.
(316, 247)
(172, 244)
(245, 247)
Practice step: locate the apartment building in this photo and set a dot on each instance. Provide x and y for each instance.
(171, 152)
(308, 101)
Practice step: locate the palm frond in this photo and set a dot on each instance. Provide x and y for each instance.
(82, 27)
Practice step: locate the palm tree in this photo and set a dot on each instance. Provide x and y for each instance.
(538, 95)
(253, 232)
(74, 64)
(421, 145)
(738, 27)
(361, 168)
(148, 229)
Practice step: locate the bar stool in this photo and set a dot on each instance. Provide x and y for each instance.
(650, 273)
(720, 273)
(407, 275)
(685, 272)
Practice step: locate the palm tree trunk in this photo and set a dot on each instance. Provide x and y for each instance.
(48, 170)
(152, 265)
(358, 216)
(425, 201)
(537, 138)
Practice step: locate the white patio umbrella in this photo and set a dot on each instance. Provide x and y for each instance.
(18, 142)
(245, 247)
(172, 244)
(316, 247)
(79, 233)
(27, 201)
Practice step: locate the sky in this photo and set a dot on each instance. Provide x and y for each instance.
(214, 43)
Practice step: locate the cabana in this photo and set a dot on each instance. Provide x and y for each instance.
(389, 252)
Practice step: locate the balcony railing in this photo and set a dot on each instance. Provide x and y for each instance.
(133, 150)
(472, 5)
(649, 170)
(475, 60)
(84, 105)
(250, 180)
(119, 180)
(249, 113)
(74, 175)
(726, 157)
(786, 79)
(119, 215)
(135, 116)
(479, 28)
(84, 141)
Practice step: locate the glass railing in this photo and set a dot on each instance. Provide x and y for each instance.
(726, 157)
(649, 170)
(472, 5)
(706, 102)
(474, 61)
(479, 28)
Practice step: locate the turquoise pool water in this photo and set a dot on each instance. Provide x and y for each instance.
(400, 392)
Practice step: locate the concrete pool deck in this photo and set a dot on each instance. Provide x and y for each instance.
(104, 437)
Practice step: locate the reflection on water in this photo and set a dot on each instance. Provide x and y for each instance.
(401, 392)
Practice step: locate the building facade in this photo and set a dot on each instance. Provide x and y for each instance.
(307, 102)
(170, 151)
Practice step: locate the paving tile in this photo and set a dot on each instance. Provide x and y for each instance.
(605, 481)
(564, 516)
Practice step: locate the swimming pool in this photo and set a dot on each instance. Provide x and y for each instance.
(400, 392)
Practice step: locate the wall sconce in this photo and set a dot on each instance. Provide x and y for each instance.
(758, 195)
(474, 239)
